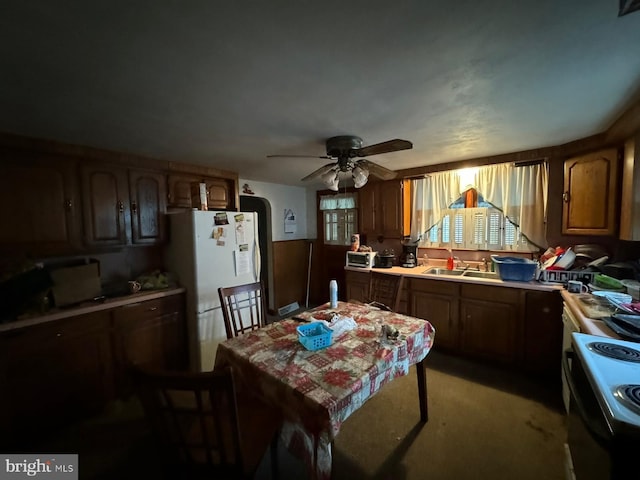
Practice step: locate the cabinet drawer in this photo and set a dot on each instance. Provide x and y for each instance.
(434, 286)
(34, 337)
(149, 309)
(490, 293)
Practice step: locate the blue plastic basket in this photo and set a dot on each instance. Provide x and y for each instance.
(314, 335)
(515, 269)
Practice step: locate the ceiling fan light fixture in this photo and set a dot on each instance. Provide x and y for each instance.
(360, 176)
(330, 179)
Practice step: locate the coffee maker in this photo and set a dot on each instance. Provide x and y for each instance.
(409, 255)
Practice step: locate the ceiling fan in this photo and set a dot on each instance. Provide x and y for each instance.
(347, 152)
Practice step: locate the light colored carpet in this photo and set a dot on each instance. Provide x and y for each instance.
(484, 423)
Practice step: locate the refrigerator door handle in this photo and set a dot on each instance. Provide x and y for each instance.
(256, 250)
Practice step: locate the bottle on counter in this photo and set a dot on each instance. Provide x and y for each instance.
(450, 261)
(333, 294)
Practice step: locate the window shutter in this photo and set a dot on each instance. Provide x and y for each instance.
(458, 228)
(477, 227)
(446, 229)
(494, 229)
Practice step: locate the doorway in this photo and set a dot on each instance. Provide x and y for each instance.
(262, 207)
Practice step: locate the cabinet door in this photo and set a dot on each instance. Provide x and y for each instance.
(57, 372)
(38, 203)
(630, 197)
(105, 194)
(367, 206)
(391, 208)
(489, 329)
(148, 206)
(442, 312)
(180, 190)
(357, 286)
(436, 302)
(543, 333)
(219, 194)
(151, 334)
(590, 194)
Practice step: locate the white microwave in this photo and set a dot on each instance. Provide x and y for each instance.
(361, 259)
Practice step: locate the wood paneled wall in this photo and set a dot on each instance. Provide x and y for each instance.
(290, 262)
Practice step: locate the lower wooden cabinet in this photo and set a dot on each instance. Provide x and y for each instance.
(56, 373)
(489, 322)
(150, 334)
(543, 331)
(516, 327)
(437, 302)
(60, 371)
(357, 286)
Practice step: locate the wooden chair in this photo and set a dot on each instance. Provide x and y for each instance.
(204, 430)
(243, 308)
(384, 290)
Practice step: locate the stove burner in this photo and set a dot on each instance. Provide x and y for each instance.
(619, 352)
(629, 395)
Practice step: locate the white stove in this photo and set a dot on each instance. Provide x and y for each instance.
(612, 367)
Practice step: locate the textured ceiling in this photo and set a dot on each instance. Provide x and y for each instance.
(227, 83)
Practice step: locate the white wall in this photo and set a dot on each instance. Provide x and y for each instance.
(281, 198)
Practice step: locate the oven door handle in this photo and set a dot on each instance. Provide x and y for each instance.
(597, 433)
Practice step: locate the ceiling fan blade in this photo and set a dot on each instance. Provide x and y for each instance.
(298, 156)
(384, 147)
(378, 170)
(319, 172)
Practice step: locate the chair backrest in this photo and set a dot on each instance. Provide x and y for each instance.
(243, 308)
(194, 416)
(384, 290)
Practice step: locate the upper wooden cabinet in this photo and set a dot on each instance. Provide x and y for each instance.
(39, 203)
(105, 200)
(630, 199)
(381, 209)
(148, 195)
(590, 194)
(122, 206)
(220, 191)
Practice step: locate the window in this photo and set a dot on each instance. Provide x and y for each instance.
(340, 218)
(480, 228)
(503, 207)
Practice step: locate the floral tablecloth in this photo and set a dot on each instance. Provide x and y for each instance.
(318, 390)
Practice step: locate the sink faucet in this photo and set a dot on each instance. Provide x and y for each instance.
(486, 265)
(462, 263)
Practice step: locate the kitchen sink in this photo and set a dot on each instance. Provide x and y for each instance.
(476, 274)
(443, 271)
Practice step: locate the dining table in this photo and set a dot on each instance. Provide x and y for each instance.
(317, 390)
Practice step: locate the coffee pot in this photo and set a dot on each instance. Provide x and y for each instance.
(409, 255)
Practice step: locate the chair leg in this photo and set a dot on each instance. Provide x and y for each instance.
(275, 473)
(421, 371)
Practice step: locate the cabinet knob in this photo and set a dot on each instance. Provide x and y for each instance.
(566, 197)
(120, 206)
(68, 204)
(152, 309)
(134, 207)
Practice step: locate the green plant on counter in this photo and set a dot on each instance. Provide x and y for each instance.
(154, 280)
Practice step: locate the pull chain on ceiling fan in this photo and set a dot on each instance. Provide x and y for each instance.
(345, 151)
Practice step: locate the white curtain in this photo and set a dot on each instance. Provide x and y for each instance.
(339, 201)
(519, 192)
(431, 195)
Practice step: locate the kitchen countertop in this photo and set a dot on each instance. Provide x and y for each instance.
(416, 272)
(89, 307)
(587, 310)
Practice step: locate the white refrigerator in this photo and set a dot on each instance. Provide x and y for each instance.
(208, 250)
